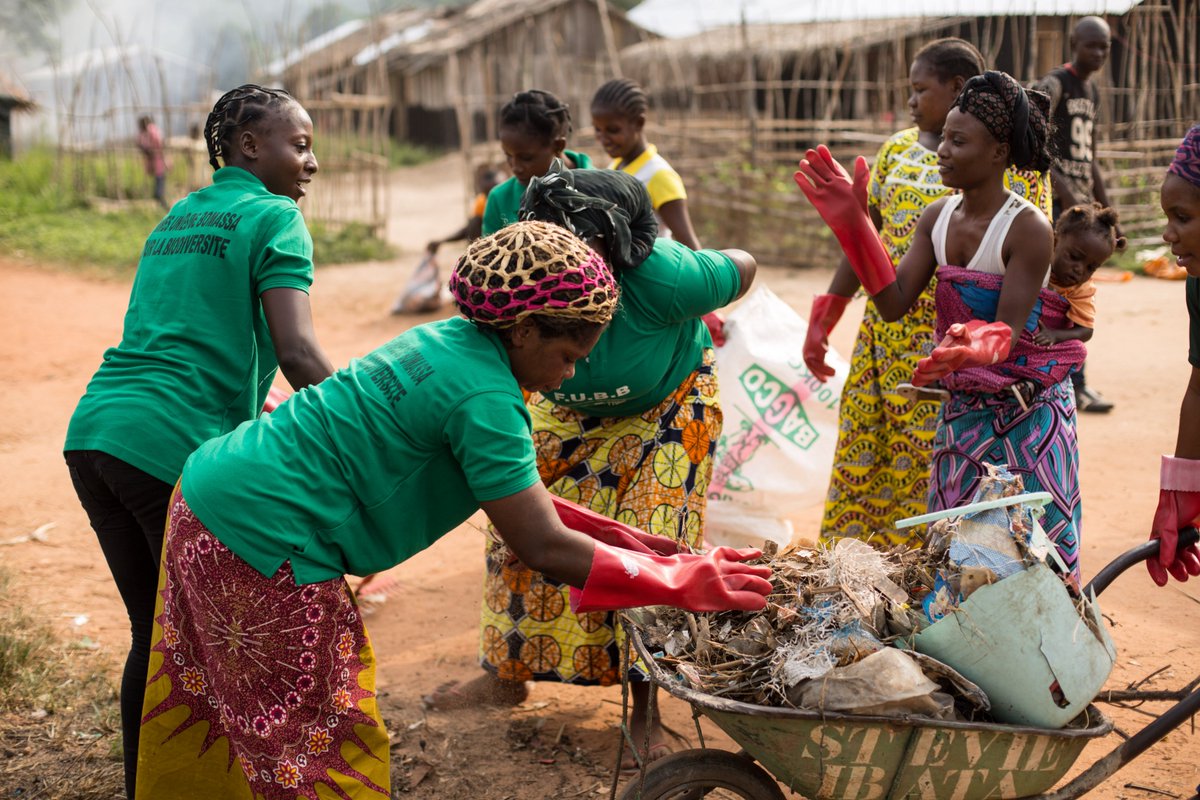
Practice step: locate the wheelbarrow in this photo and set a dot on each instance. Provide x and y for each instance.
(833, 756)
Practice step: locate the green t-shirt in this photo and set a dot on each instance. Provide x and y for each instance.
(504, 201)
(656, 339)
(1193, 306)
(373, 464)
(196, 358)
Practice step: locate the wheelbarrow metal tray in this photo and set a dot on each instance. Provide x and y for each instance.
(832, 756)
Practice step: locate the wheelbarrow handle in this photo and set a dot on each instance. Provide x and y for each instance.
(1187, 536)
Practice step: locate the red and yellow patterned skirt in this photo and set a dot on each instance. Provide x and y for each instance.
(257, 688)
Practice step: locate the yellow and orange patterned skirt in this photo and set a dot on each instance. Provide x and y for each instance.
(885, 442)
(651, 471)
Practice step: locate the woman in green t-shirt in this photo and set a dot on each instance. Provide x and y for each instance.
(219, 303)
(260, 654)
(631, 435)
(534, 128)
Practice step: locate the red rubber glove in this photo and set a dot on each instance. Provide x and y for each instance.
(714, 581)
(967, 344)
(274, 398)
(716, 328)
(1178, 507)
(826, 311)
(611, 532)
(841, 202)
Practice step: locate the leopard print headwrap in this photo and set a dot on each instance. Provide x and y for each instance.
(533, 268)
(1186, 163)
(1011, 114)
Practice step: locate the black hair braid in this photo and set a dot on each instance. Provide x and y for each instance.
(952, 58)
(539, 112)
(237, 108)
(621, 95)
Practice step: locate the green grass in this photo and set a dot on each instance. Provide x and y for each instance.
(347, 244)
(92, 213)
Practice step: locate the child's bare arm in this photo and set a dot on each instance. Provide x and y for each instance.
(1047, 337)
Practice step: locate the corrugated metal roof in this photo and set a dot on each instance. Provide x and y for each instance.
(674, 18)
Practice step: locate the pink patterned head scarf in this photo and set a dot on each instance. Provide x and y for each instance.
(1187, 158)
(533, 268)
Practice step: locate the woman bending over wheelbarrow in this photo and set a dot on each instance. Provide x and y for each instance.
(261, 674)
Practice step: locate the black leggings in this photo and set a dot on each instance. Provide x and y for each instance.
(128, 510)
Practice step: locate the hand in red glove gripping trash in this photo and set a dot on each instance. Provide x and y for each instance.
(966, 344)
(714, 581)
(826, 311)
(1178, 507)
(841, 202)
(611, 532)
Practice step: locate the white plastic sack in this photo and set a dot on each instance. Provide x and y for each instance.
(780, 431)
(422, 292)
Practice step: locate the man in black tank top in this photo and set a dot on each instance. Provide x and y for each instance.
(1075, 176)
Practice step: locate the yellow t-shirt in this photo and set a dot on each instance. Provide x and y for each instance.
(662, 182)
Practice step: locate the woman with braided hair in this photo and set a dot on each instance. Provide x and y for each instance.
(262, 682)
(630, 436)
(534, 128)
(219, 303)
(1010, 399)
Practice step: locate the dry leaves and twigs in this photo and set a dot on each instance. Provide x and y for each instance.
(835, 607)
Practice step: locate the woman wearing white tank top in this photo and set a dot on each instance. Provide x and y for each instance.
(1010, 400)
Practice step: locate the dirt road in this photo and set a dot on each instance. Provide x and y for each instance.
(54, 327)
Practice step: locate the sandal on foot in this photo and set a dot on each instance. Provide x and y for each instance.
(629, 764)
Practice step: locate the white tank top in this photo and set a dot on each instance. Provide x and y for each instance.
(989, 256)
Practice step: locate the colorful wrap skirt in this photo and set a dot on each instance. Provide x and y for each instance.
(881, 464)
(257, 688)
(651, 471)
(1038, 443)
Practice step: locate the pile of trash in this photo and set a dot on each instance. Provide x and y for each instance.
(854, 629)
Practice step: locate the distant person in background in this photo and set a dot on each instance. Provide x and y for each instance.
(486, 179)
(1075, 175)
(150, 142)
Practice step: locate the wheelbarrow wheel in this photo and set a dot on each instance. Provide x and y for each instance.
(704, 773)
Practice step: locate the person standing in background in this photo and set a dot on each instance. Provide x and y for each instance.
(150, 142)
(1075, 175)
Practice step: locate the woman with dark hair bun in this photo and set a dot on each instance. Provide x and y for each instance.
(1010, 399)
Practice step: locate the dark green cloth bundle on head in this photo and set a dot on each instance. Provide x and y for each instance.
(606, 204)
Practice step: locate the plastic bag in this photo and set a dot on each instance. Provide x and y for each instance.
(780, 431)
(422, 293)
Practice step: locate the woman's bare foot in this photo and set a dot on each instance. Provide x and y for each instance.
(638, 719)
(486, 690)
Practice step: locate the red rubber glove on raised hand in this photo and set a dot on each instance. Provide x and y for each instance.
(826, 311)
(966, 344)
(716, 328)
(611, 532)
(714, 581)
(1178, 507)
(842, 203)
